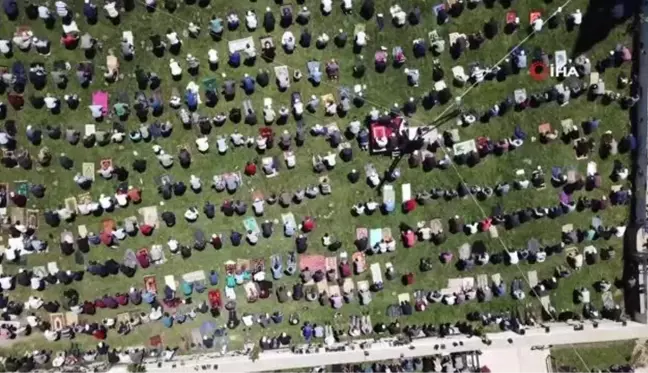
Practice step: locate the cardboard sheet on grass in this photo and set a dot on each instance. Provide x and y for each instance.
(149, 215)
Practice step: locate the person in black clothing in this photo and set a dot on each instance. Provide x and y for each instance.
(346, 154)
(53, 133)
(64, 277)
(112, 266)
(251, 118)
(51, 307)
(127, 271)
(367, 9)
(83, 245)
(52, 219)
(268, 20)
(24, 160)
(490, 28)
(121, 172)
(200, 242)
(9, 162)
(227, 208)
(166, 190)
(23, 278)
(266, 229)
(209, 210)
(185, 158)
(235, 115)
(353, 176)
(169, 218)
(185, 251)
(139, 165)
(66, 162)
(179, 188)
(67, 248)
(301, 244)
(158, 45)
(262, 78)
(31, 10)
(305, 38)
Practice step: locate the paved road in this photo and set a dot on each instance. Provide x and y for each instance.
(561, 334)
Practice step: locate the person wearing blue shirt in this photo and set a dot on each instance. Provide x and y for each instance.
(168, 293)
(191, 100)
(90, 12)
(148, 297)
(167, 320)
(216, 27)
(248, 85)
(10, 8)
(236, 238)
(235, 59)
(213, 278)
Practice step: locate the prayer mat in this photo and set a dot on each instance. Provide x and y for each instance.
(312, 262)
(90, 129)
(57, 321)
(124, 317)
(108, 225)
(17, 214)
(510, 17)
(257, 265)
(71, 204)
(84, 198)
(149, 215)
(106, 163)
(155, 341)
(242, 265)
(21, 187)
(150, 284)
(89, 170)
(533, 16)
(162, 179)
(71, 319)
(360, 27)
(32, 218)
(230, 267)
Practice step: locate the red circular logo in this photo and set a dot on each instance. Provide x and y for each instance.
(539, 71)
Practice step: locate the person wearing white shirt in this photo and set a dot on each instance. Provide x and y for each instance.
(32, 320)
(20, 227)
(537, 25)
(221, 144)
(291, 160)
(4, 138)
(298, 108)
(44, 13)
(191, 214)
(109, 322)
(327, 240)
(327, 7)
(81, 180)
(96, 110)
(371, 206)
(252, 237)
(105, 202)
(36, 283)
(237, 139)
(51, 102)
(76, 309)
(195, 184)
(262, 143)
(84, 208)
(65, 213)
(361, 39)
(288, 41)
(212, 56)
(118, 137)
(34, 303)
(51, 335)
(106, 172)
(173, 246)
(251, 20)
(11, 255)
(5, 46)
(257, 206)
(176, 70)
(119, 233)
(577, 17)
(61, 9)
(202, 143)
(6, 282)
(122, 199)
(358, 209)
(172, 37)
(329, 160)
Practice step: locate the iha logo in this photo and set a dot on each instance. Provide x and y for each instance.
(539, 71)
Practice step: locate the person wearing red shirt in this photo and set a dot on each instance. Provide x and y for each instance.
(69, 40)
(99, 303)
(409, 205)
(122, 299)
(99, 334)
(18, 199)
(134, 194)
(216, 241)
(250, 169)
(146, 229)
(308, 225)
(106, 238)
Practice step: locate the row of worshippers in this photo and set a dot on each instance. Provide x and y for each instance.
(105, 203)
(37, 282)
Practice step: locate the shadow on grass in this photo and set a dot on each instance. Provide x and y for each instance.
(600, 18)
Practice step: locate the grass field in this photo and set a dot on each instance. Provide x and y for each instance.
(597, 356)
(332, 212)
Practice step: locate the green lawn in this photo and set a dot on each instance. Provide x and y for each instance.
(332, 212)
(596, 355)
